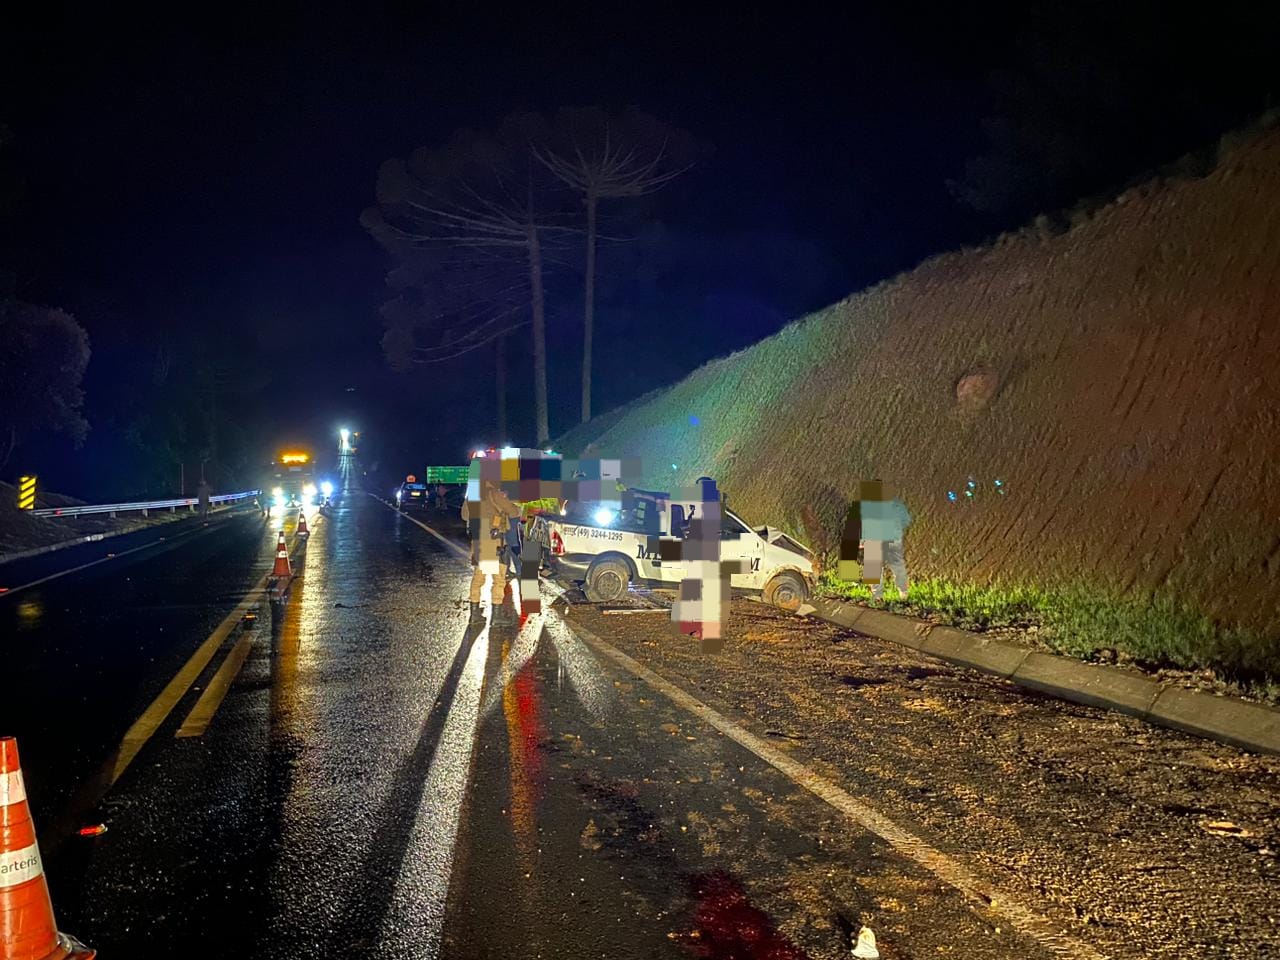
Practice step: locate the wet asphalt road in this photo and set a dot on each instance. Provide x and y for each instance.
(386, 778)
(93, 647)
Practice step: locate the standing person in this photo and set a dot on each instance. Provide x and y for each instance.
(202, 497)
(702, 605)
(487, 512)
(440, 492)
(885, 519)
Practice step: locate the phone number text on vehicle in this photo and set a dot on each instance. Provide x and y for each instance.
(594, 533)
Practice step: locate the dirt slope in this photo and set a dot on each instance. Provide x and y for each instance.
(1118, 379)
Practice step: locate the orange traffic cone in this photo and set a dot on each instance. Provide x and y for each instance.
(282, 568)
(302, 530)
(27, 930)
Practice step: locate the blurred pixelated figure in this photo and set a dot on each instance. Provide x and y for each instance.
(537, 491)
(876, 522)
(487, 512)
(703, 601)
(203, 493)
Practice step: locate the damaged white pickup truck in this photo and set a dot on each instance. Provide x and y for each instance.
(607, 549)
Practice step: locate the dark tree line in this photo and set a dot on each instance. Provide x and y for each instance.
(43, 350)
(166, 405)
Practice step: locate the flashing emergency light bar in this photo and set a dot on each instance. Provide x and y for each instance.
(294, 457)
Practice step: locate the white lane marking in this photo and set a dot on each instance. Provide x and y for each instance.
(93, 563)
(463, 554)
(422, 890)
(942, 866)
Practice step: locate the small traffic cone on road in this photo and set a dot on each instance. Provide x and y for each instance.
(27, 929)
(302, 530)
(282, 570)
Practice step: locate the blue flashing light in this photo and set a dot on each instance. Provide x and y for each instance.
(951, 495)
(694, 420)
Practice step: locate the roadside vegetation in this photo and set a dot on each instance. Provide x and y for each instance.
(1159, 634)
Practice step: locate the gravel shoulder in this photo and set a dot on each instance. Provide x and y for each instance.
(1144, 841)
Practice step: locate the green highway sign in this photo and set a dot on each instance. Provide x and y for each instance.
(446, 474)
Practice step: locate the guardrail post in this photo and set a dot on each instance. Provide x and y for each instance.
(144, 511)
(112, 514)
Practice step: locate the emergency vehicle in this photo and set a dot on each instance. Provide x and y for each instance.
(294, 482)
(607, 549)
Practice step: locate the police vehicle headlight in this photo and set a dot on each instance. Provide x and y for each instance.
(278, 499)
(326, 488)
(309, 490)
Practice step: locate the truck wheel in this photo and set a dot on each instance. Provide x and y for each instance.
(606, 581)
(786, 591)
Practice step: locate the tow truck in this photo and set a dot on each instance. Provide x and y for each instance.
(607, 549)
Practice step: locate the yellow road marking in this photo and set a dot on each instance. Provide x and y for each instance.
(142, 730)
(136, 737)
(147, 724)
(202, 713)
(157, 712)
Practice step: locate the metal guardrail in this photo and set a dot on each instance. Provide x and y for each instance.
(142, 505)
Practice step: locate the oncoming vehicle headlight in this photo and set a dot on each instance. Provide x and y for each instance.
(309, 490)
(278, 492)
(278, 499)
(326, 488)
(603, 517)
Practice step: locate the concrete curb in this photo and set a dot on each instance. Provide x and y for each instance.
(1239, 723)
(79, 541)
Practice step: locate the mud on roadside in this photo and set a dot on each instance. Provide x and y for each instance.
(1144, 841)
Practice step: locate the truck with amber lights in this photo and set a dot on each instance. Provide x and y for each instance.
(293, 482)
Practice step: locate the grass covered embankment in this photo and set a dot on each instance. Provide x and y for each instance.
(1083, 421)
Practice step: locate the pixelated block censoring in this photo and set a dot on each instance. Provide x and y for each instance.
(703, 600)
(876, 522)
(868, 523)
(535, 482)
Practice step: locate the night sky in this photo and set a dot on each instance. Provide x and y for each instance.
(210, 175)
